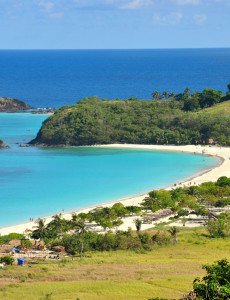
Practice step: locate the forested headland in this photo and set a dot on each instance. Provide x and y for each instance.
(184, 118)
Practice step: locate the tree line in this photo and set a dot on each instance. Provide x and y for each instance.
(194, 101)
(177, 120)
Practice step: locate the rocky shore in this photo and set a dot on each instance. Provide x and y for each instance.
(15, 105)
(3, 145)
(12, 105)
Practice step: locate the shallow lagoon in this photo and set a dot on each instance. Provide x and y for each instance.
(36, 182)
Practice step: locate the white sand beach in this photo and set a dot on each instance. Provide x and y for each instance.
(211, 175)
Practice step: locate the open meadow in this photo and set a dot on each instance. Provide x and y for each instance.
(167, 271)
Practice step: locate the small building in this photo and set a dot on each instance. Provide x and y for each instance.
(210, 141)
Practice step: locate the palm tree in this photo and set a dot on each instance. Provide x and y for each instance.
(41, 229)
(187, 91)
(73, 223)
(138, 224)
(165, 94)
(152, 200)
(172, 95)
(57, 224)
(156, 95)
(173, 231)
(81, 228)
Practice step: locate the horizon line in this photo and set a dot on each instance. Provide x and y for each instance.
(93, 49)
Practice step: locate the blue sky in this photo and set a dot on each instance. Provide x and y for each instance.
(114, 24)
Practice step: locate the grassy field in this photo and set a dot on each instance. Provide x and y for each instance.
(167, 271)
(222, 109)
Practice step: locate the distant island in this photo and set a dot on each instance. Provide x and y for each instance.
(15, 105)
(185, 118)
(9, 104)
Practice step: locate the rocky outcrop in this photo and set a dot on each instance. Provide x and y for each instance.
(9, 104)
(2, 145)
(44, 111)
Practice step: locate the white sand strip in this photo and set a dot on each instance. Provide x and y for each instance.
(211, 175)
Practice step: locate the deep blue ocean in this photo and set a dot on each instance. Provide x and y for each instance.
(52, 78)
(37, 182)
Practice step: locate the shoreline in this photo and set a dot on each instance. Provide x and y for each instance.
(211, 174)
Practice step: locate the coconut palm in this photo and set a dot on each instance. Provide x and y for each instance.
(165, 94)
(81, 228)
(41, 230)
(73, 223)
(156, 95)
(57, 224)
(172, 95)
(187, 91)
(152, 200)
(173, 231)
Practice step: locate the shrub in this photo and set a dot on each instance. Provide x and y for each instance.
(216, 228)
(216, 284)
(223, 202)
(7, 260)
(26, 244)
(145, 238)
(223, 181)
(161, 238)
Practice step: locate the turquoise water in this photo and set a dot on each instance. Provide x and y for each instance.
(37, 182)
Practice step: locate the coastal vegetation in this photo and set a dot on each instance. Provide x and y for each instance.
(185, 118)
(133, 264)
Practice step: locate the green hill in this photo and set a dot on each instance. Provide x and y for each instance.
(222, 109)
(94, 121)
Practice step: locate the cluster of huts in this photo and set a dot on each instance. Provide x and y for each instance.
(38, 250)
(151, 217)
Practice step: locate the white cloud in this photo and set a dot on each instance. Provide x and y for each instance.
(200, 18)
(56, 15)
(187, 2)
(171, 19)
(46, 6)
(135, 4)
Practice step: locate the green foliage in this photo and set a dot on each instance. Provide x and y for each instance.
(119, 209)
(12, 236)
(216, 284)
(219, 227)
(208, 193)
(58, 225)
(161, 238)
(134, 209)
(94, 121)
(138, 224)
(174, 231)
(201, 211)
(158, 200)
(8, 260)
(44, 232)
(121, 240)
(223, 181)
(182, 213)
(222, 202)
(26, 244)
